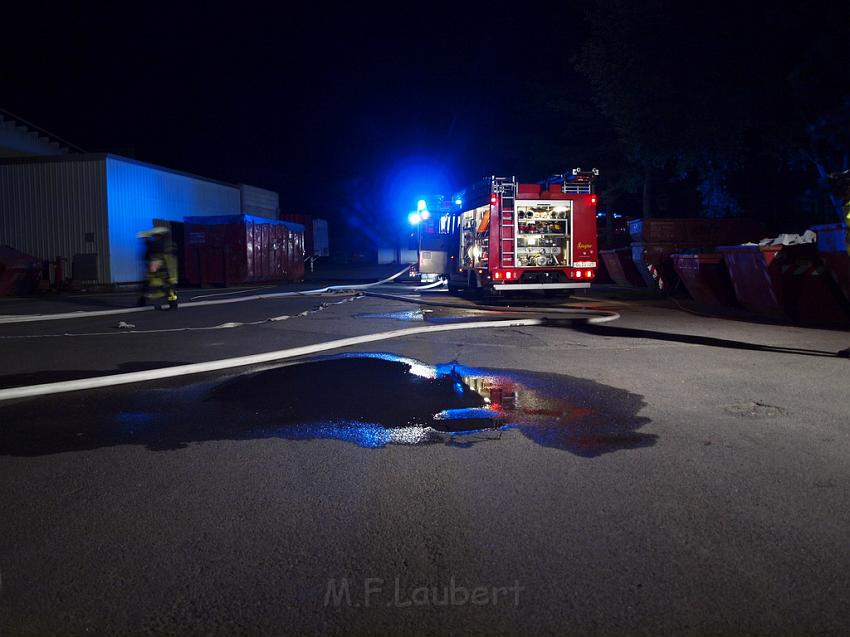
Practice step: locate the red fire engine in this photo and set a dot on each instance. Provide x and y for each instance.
(502, 236)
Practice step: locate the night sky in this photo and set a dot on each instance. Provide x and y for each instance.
(372, 105)
(354, 113)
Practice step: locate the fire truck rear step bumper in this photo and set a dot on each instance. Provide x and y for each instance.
(539, 286)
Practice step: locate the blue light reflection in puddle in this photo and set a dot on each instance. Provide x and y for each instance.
(402, 315)
(372, 400)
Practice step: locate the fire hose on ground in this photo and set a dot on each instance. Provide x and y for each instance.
(31, 318)
(591, 316)
(245, 361)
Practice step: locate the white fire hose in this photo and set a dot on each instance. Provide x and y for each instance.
(31, 318)
(243, 361)
(591, 316)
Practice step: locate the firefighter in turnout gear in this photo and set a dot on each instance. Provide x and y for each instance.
(160, 268)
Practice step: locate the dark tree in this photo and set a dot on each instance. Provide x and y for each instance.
(700, 90)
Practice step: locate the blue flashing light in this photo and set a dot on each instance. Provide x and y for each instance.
(425, 214)
(421, 204)
(458, 201)
(414, 218)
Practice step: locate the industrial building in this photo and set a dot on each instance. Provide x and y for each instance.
(89, 207)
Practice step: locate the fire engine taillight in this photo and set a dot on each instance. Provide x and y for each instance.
(593, 199)
(589, 274)
(579, 274)
(493, 200)
(508, 275)
(497, 275)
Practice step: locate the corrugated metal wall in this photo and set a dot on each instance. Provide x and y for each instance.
(259, 201)
(48, 207)
(140, 193)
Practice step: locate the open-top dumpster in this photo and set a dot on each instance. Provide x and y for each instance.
(238, 249)
(706, 278)
(621, 268)
(786, 282)
(832, 249)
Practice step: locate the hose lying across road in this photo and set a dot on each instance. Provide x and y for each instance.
(586, 315)
(579, 313)
(126, 329)
(31, 318)
(243, 361)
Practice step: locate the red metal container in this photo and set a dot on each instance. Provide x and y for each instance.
(811, 296)
(307, 222)
(757, 287)
(237, 249)
(654, 261)
(621, 268)
(783, 282)
(706, 278)
(838, 266)
(19, 272)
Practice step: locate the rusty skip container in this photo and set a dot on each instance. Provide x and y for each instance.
(306, 221)
(706, 278)
(783, 282)
(621, 268)
(238, 249)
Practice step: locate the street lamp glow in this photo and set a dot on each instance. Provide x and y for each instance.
(414, 218)
(421, 205)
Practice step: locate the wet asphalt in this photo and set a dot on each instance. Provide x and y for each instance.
(664, 474)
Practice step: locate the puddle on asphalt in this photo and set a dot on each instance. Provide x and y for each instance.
(403, 315)
(370, 400)
(437, 315)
